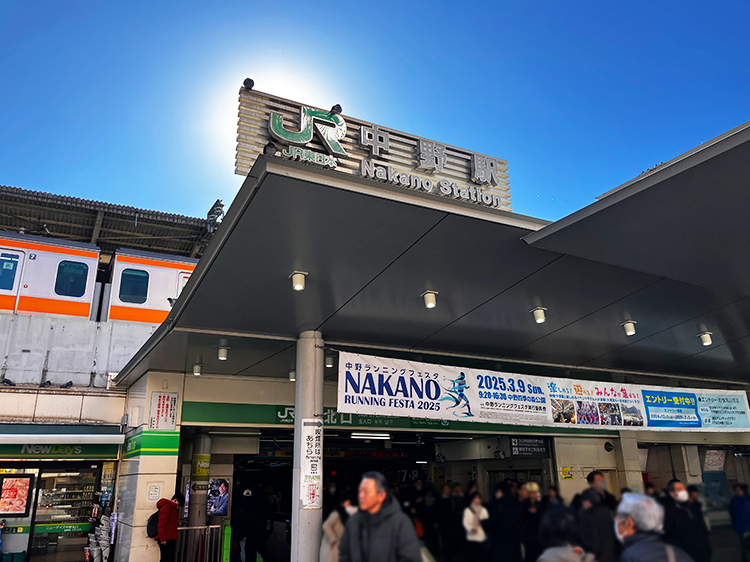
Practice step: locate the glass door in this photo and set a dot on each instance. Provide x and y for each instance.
(64, 513)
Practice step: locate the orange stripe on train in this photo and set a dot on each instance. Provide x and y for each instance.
(53, 306)
(137, 314)
(157, 263)
(8, 302)
(48, 248)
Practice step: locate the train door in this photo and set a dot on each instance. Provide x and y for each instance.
(11, 267)
(182, 280)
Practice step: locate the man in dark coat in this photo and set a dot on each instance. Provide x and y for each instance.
(379, 531)
(445, 522)
(596, 481)
(598, 528)
(638, 524)
(682, 526)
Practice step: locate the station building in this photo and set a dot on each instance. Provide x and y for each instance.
(348, 239)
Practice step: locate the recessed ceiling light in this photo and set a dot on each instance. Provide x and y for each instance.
(298, 280)
(430, 300)
(538, 313)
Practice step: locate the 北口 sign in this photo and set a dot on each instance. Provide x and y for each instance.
(393, 387)
(330, 140)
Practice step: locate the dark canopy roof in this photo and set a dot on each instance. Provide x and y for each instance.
(686, 219)
(371, 250)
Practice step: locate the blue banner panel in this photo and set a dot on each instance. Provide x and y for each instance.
(671, 409)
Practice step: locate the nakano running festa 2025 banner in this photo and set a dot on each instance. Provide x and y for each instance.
(393, 387)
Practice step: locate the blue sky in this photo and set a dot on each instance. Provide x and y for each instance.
(136, 103)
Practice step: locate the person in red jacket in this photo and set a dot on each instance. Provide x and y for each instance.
(169, 511)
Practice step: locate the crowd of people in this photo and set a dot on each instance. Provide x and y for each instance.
(455, 524)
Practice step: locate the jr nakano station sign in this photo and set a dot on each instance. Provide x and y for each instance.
(328, 139)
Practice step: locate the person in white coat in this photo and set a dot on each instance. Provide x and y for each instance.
(476, 538)
(333, 528)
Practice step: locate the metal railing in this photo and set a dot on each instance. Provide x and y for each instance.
(199, 544)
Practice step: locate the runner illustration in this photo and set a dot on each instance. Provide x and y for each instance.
(456, 393)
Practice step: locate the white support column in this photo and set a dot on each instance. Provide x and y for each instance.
(308, 406)
(198, 502)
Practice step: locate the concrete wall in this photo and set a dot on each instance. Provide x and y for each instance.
(19, 405)
(56, 349)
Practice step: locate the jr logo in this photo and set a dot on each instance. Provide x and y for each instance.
(329, 127)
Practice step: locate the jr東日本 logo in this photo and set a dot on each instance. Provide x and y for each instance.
(330, 128)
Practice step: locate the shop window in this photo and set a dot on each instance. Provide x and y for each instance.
(8, 266)
(134, 286)
(71, 279)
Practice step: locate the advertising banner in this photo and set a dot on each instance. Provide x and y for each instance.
(394, 387)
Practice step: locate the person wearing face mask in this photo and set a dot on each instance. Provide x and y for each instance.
(474, 519)
(596, 481)
(682, 526)
(597, 528)
(638, 524)
(333, 528)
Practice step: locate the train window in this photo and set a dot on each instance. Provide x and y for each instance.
(8, 266)
(71, 279)
(134, 286)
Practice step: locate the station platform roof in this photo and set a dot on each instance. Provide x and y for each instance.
(665, 250)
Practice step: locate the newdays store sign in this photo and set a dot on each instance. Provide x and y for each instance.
(326, 138)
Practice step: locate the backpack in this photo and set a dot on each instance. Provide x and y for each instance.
(152, 525)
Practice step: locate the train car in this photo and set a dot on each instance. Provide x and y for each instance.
(47, 276)
(143, 284)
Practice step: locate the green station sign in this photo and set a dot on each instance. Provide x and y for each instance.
(35, 451)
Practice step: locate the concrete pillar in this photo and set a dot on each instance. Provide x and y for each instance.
(199, 481)
(628, 462)
(148, 470)
(686, 464)
(307, 515)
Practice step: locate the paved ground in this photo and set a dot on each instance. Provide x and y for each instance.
(725, 544)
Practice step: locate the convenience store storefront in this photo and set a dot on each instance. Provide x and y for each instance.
(57, 483)
(392, 245)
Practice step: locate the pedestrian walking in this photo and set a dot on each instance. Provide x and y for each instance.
(739, 509)
(638, 524)
(474, 519)
(444, 525)
(531, 520)
(598, 528)
(169, 515)
(560, 537)
(333, 529)
(380, 531)
(682, 526)
(507, 539)
(596, 482)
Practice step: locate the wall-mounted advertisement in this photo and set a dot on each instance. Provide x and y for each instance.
(395, 387)
(15, 492)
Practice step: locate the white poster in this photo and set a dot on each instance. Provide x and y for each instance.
(163, 412)
(393, 387)
(311, 474)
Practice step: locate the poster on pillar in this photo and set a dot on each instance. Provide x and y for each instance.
(395, 387)
(311, 473)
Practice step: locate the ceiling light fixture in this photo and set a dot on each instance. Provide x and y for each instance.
(197, 369)
(370, 435)
(430, 301)
(421, 462)
(223, 350)
(329, 361)
(629, 327)
(292, 375)
(706, 338)
(298, 280)
(538, 313)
